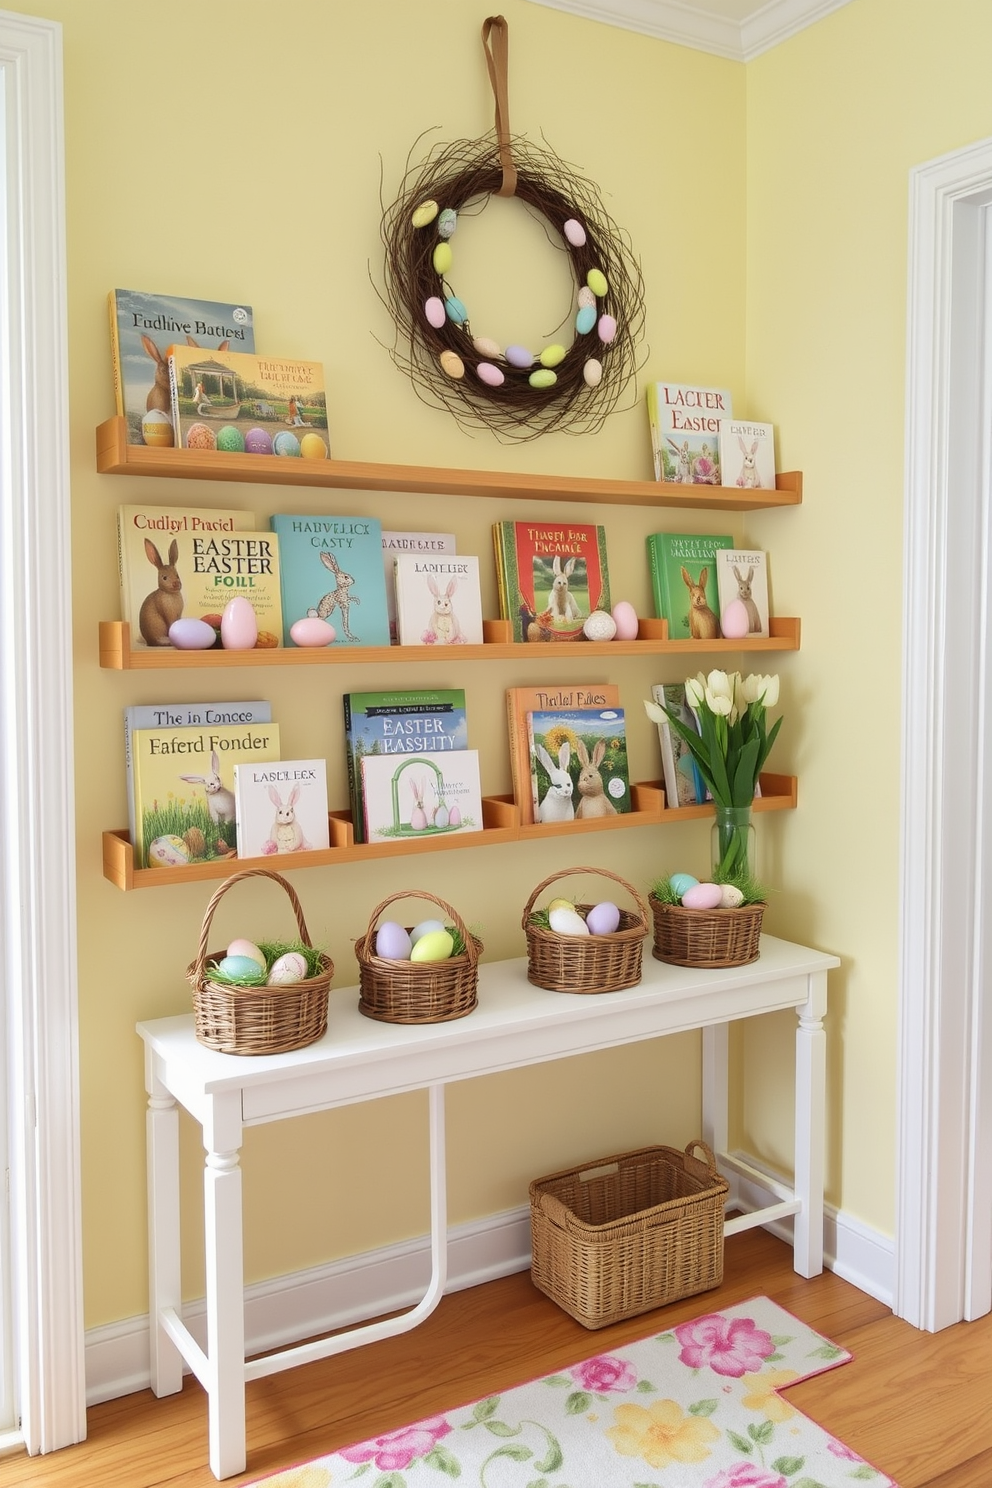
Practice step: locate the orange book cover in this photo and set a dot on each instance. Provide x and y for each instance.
(523, 700)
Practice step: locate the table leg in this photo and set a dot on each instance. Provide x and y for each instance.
(716, 1086)
(225, 1312)
(811, 1066)
(164, 1279)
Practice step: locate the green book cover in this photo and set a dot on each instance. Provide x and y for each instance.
(684, 582)
(429, 721)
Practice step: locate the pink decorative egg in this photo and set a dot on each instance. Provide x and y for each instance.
(311, 631)
(607, 329)
(490, 375)
(626, 619)
(703, 896)
(238, 626)
(734, 621)
(435, 312)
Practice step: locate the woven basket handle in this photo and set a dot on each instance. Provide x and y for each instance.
(301, 924)
(709, 1156)
(558, 1213)
(471, 949)
(568, 872)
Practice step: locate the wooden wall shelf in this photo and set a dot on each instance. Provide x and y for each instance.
(114, 456)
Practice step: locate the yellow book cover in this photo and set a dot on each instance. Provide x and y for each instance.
(184, 808)
(241, 403)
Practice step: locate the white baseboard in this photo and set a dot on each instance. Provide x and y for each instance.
(298, 1306)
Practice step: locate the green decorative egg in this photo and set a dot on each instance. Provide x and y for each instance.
(596, 281)
(436, 945)
(442, 258)
(543, 378)
(424, 214)
(552, 355)
(231, 440)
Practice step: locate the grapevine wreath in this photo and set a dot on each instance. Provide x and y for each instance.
(518, 392)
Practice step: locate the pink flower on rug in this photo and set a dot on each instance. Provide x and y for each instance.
(746, 1475)
(605, 1372)
(839, 1450)
(397, 1449)
(730, 1346)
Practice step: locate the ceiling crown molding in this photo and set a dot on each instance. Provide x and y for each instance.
(723, 35)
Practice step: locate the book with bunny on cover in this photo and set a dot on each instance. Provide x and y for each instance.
(142, 328)
(332, 568)
(742, 584)
(683, 582)
(184, 805)
(429, 544)
(550, 577)
(523, 700)
(428, 721)
(579, 766)
(237, 402)
(438, 599)
(421, 795)
(281, 807)
(685, 431)
(747, 454)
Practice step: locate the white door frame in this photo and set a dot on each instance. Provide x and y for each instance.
(944, 1157)
(37, 845)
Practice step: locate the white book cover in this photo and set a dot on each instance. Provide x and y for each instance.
(438, 600)
(747, 454)
(742, 584)
(420, 795)
(281, 807)
(685, 431)
(428, 544)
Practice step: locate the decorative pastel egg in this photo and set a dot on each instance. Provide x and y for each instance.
(244, 969)
(574, 232)
(490, 374)
(424, 928)
(286, 443)
(452, 364)
(734, 620)
(291, 966)
(552, 355)
(200, 437)
(167, 852)
(238, 625)
(585, 297)
(599, 626)
(258, 442)
(393, 941)
(606, 329)
(561, 904)
(519, 356)
(485, 347)
(188, 634)
(625, 617)
(455, 310)
(567, 922)
(247, 948)
(311, 631)
(442, 258)
(231, 440)
(703, 896)
(425, 213)
(434, 311)
(592, 373)
(597, 282)
(447, 222)
(603, 918)
(585, 319)
(156, 429)
(436, 945)
(681, 883)
(543, 378)
(312, 447)
(730, 896)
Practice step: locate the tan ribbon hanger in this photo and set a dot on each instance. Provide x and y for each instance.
(494, 41)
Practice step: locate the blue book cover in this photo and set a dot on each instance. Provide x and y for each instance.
(331, 567)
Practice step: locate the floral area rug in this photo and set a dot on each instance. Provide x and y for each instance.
(696, 1407)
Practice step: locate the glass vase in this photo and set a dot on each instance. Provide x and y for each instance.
(732, 844)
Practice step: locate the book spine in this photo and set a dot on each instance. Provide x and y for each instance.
(659, 575)
(115, 355)
(177, 432)
(354, 774)
(129, 778)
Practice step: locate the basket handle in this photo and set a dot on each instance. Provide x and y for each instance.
(567, 872)
(471, 949)
(558, 1213)
(710, 1158)
(301, 924)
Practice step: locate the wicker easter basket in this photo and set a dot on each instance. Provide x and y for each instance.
(706, 937)
(417, 991)
(586, 963)
(257, 1020)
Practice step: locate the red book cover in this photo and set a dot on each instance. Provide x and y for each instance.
(551, 575)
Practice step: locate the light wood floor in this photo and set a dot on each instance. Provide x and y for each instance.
(917, 1405)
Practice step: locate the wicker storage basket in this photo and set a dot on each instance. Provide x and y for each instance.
(629, 1233)
(417, 991)
(706, 937)
(586, 963)
(257, 1020)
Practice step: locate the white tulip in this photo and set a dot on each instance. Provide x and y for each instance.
(695, 691)
(656, 714)
(720, 685)
(718, 703)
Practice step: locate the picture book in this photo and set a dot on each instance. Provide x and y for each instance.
(438, 600)
(683, 783)
(181, 715)
(394, 543)
(578, 764)
(237, 402)
(747, 454)
(423, 795)
(742, 582)
(523, 700)
(157, 526)
(281, 807)
(551, 576)
(685, 431)
(184, 807)
(332, 567)
(142, 328)
(396, 723)
(683, 582)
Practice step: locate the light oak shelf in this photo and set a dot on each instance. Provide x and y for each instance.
(501, 823)
(116, 653)
(114, 456)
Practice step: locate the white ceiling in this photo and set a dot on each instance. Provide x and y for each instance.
(738, 29)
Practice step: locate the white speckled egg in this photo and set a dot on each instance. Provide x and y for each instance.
(485, 347)
(238, 625)
(393, 941)
(190, 634)
(599, 626)
(626, 620)
(311, 631)
(603, 918)
(289, 967)
(574, 232)
(567, 922)
(447, 222)
(730, 896)
(585, 298)
(703, 896)
(592, 372)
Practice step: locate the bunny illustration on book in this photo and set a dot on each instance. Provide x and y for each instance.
(703, 624)
(340, 598)
(562, 603)
(165, 603)
(418, 816)
(557, 804)
(220, 801)
(684, 474)
(744, 582)
(442, 624)
(159, 394)
(287, 835)
(595, 801)
(749, 473)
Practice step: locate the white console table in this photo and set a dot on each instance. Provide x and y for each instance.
(514, 1025)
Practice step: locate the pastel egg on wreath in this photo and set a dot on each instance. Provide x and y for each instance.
(585, 319)
(455, 310)
(451, 364)
(231, 440)
(447, 222)
(603, 918)
(435, 312)
(681, 883)
(436, 945)
(442, 258)
(393, 942)
(238, 625)
(425, 213)
(311, 631)
(585, 297)
(519, 356)
(626, 620)
(703, 896)
(312, 447)
(291, 966)
(553, 355)
(543, 378)
(597, 282)
(242, 947)
(167, 852)
(189, 634)
(574, 232)
(486, 348)
(734, 620)
(490, 374)
(599, 626)
(606, 329)
(286, 443)
(258, 442)
(156, 429)
(592, 372)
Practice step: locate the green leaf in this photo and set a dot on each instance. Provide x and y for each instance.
(808, 1483)
(485, 1408)
(742, 793)
(788, 1465)
(864, 1471)
(500, 1428)
(557, 1379)
(646, 1387)
(577, 1403)
(442, 1459)
(703, 1407)
(390, 1480)
(554, 1459)
(781, 1339)
(827, 1351)
(539, 1483)
(740, 1442)
(761, 1434)
(518, 1453)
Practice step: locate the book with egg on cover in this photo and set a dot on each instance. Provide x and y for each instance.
(427, 721)
(685, 431)
(332, 568)
(237, 402)
(144, 537)
(421, 795)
